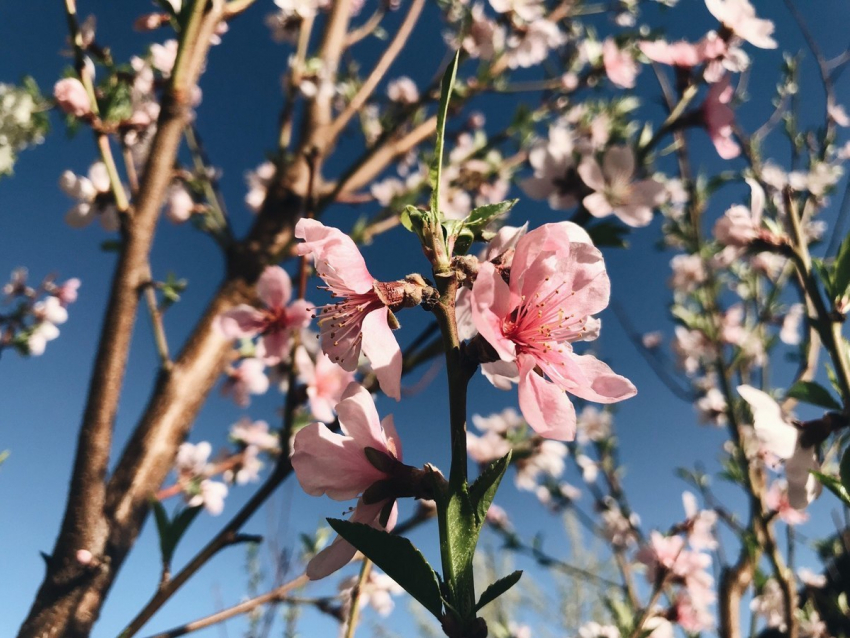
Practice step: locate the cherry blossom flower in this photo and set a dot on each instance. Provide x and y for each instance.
(48, 313)
(377, 592)
(246, 379)
(620, 66)
(711, 407)
(484, 38)
(179, 204)
(790, 332)
(557, 282)
(72, 97)
(94, 198)
(688, 273)
(163, 56)
(739, 16)
(211, 495)
(776, 500)
(403, 90)
(276, 322)
(546, 459)
(528, 10)
(770, 605)
(740, 225)
(66, 292)
(254, 434)
(719, 118)
(679, 54)
(616, 192)
(325, 381)
(593, 424)
(336, 465)
(700, 524)
(532, 46)
(361, 319)
(258, 182)
(780, 439)
(553, 163)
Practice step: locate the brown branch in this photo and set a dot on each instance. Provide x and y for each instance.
(279, 594)
(62, 606)
(387, 58)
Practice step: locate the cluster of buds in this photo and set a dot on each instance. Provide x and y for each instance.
(34, 313)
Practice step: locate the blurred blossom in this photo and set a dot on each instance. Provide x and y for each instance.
(593, 424)
(769, 605)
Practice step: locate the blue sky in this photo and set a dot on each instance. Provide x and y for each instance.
(42, 399)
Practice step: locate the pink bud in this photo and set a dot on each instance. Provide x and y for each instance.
(84, 557)
(71, 97)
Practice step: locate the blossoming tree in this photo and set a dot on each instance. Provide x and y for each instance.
(508, 297)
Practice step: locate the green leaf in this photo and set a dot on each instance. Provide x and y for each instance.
(3, 456)
(462, 529)
(162, 527)
(171, 531)
(833, 485)
(412, 219)
(482, 491)
(814, 393)
(841, 270)
(498, 588)
(437, 164)
(399, 559)
(844, 470)
(484, 214)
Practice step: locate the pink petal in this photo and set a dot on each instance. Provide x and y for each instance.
(329, 463)
(501, 373)
(604, 385)
(274, 287)
(300, 314)
(335, 255)
(618, 165)
(241, 321)
(338, 554)
(597, 205)
(591, 173)
(276, 345)
(383, 351)
(393, 439)
(490, 305)
(359, 417)
(544, 405)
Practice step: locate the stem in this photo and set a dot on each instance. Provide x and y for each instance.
(354, 610)
(830, 330)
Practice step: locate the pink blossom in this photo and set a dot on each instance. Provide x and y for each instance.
(776, 500)
(84, 557)
(532, 46)
(553, 163)
(72, 97)
(403, 90)
(484, 37)
(258, 182)
(163, 56)
(780, 439)
(276, 322)
(246, 379)
(254, 434)
(740, 225)
(557, 282)
(211, 495)
(336, 465)
(94, 198)
(700, 524)
(361, 319)
(179, 204)
(66, 293)
(680, 54)
(719, 118)
(48, 314)
(739, 16)
(616, 192)
(620, 66)
(325, 381)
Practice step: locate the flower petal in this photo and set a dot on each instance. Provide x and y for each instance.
(274, 287)
(544, 405)
(491, 302)
(383, 351)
